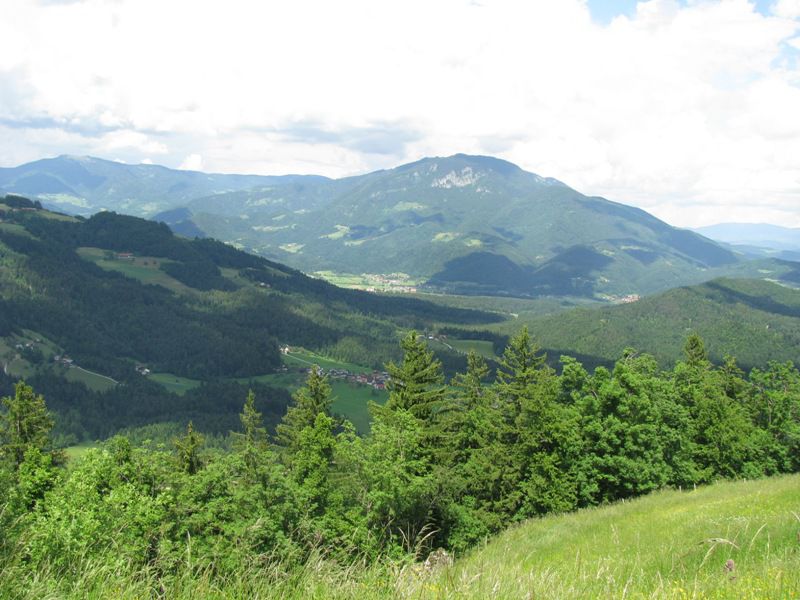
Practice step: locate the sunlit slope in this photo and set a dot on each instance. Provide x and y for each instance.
(729, 540)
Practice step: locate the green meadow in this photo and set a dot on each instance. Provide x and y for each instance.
(142, 268)
(732, 540)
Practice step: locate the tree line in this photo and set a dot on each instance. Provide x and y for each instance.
(444, 465)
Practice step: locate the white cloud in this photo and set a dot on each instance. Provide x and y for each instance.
(123, 138)
(193, 162)
(788, 9)
(680, 109)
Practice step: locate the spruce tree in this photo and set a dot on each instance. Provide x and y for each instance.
(25, 425)
(520, 368)
(252, 442)
(188, 447)
(312, 399)
(695, 352)
(465, 421)
(416, 384)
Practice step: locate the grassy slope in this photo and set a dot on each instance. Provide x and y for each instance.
(17, 366)
(670, 544)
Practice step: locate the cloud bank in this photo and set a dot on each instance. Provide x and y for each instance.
(687, 109)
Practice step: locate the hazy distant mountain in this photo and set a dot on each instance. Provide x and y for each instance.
(85, 185)
(757, 239)
(468, 224)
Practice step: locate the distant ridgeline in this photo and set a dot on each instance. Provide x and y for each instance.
(752, 319)
(12, 201)
(458, 224)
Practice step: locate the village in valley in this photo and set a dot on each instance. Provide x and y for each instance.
(374, 379)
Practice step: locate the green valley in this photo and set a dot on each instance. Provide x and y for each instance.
(464, 300)
(113, 298)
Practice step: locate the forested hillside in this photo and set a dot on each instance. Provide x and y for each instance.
(467, 224)
(754, 320)
(118, 296)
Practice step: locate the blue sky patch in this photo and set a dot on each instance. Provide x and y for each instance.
(604, 11)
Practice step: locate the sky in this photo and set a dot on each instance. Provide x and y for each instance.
(689, 109)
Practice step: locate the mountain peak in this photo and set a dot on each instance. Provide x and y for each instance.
(80, 158)
(468, 167)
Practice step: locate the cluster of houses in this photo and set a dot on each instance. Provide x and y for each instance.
(63, 359)
(401, 289)
(142, 370)
(376, 379)
(629, 299)
(394, 282)
(27, 345)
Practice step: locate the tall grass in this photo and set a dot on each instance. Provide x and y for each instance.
(669, 544)
(95, 580)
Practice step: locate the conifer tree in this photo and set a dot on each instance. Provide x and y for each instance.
(416, 384)
(469, 457)
(312, 463)
(188, 447)
(470, 383)
(26, 424)
(465, 422)
(695, 352)
(722, 430)
(520, 368)
(252, 442)
(312, 399)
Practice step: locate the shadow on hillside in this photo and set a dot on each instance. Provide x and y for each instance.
(762, 303)
(568, 273)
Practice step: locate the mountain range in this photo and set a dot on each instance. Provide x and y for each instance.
(84, 185)
(756, 239)
(458, 224)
